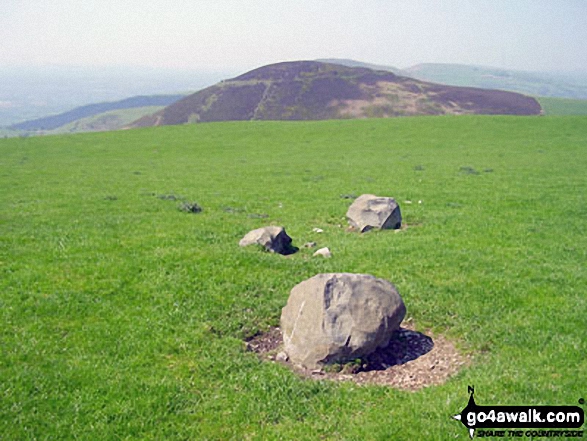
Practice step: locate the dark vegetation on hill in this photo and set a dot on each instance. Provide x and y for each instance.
(311, 90)
(354, 63)
(55, 121)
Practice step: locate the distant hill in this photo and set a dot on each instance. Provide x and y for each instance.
(112, 120)
(311, 90)
(529, 83)
(7, 133)
(563, 106)
(557, 85)
(33, 92)
(355, 63)
(55, 121)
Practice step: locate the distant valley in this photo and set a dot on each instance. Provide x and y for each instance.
(28, 93)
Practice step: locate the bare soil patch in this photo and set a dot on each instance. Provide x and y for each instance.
(411, 361)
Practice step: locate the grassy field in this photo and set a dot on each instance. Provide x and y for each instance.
(563, 106)
(124, 318)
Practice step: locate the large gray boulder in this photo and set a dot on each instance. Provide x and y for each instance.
(273, 239)
(369, 211)
(339, 317)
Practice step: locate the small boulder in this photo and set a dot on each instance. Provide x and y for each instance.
(273, 239)
(324, 252)
(338, 317)
(282, 357)
(369, 211)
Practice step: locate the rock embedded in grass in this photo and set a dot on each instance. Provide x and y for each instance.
(324, 252)
(339, 317)
(369, 211)
(273, 239)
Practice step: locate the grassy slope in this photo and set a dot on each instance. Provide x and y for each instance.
(112, 120)
(122, 317)
(563, 106)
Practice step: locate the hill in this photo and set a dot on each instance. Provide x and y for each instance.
(112, 120)
(354, 63)
(529, 83)
(563, 106)
(311, 90)
(55, 121)
(7, 133)
(124, 318)
(541, 84)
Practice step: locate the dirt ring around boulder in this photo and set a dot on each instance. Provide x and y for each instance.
(411, 361)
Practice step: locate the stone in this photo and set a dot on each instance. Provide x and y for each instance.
(369, 211)
(310, 244)
(273, 239)
(324, 252)
(339, 317)
(282, 357)
(317, 230)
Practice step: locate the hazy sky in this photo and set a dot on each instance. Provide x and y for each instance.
(244, 34)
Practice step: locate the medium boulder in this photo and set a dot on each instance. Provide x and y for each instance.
(273, 239)
(339, 317)
(369, 211)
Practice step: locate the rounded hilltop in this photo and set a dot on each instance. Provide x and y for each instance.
(313, 90)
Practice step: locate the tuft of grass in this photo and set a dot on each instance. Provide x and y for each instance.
(468, 170)
(190, 207)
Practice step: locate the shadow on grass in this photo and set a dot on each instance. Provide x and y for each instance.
(405, 345)
(410, 361)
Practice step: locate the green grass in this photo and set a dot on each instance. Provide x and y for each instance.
(123, 317)
(563, 106)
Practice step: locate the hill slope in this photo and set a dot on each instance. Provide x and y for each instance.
(531, 83)
(106, 121)
(55, 121)
(311, 90)
(563, 106)
(556, 85)
(354, 63)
